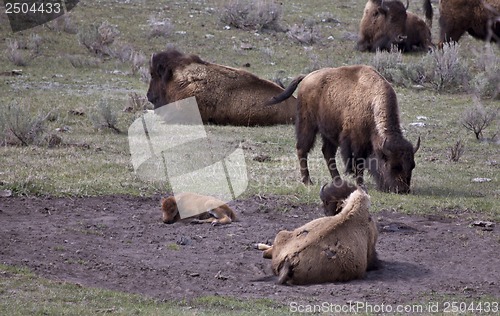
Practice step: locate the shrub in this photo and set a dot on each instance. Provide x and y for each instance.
(388, 64)
(18, 125)
(252, 15)
(14, 53)
(487, 82)
(456, 151)
(306, 33)
(98, 38)
(78, 61)
(160, 27)
(476, 118)
(450, 71)
(104, 117)
(63, 24)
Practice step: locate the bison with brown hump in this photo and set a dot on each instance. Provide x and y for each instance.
(225, 95)
(356, 109)
(388, 23)
(328, 249)
(480, 18)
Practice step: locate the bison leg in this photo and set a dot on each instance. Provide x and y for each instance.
(285, 272)
(304, 145)
(329, 150)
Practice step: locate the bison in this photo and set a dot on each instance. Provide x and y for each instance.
(355, 108)
(333, 195)
(225, 95)
(328, 249)
(387, 23)
(207, 209)
(480, 18)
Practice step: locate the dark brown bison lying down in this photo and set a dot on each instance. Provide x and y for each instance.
(387, 23)
(225, 95)
(480, 18)
(328, 249)
(355, 108)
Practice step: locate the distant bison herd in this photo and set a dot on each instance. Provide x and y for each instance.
(353, 108)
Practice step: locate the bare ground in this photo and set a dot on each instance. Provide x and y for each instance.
(119, 243)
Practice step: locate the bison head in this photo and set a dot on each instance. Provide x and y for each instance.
(333, 195)
(170, 212)
(383, 25)
(160, 68)
(393, 165)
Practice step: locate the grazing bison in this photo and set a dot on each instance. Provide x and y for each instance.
(328, 249)
(207, 208)
(480, 18)
(225, 95)
(387, 23)
(355, 108)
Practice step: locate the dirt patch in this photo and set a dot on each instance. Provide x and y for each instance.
(119, 243)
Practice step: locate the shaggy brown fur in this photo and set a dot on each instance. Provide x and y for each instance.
(333, 195)
(387, 23)
(472, 16)
(355, 108)
(382, 25)
(213, 210)
(225, 95)
(418, 35)
(328, 249)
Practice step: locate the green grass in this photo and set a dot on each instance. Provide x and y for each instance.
(23, 293)
(96, 162)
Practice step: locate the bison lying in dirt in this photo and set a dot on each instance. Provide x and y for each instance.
(480, 18)
(355, 108)
(327, 249)
(387, 23)
(207, 209)
(225, 95)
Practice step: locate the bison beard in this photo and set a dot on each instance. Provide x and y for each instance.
(355, 108)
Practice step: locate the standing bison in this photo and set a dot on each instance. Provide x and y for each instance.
(225, 95)
(387, 23)
(355, 108)
(480, 18)
(335, 248)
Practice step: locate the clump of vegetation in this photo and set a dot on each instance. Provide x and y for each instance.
(306, 33)
(105, 117)
(487, 82)
(160, 27)
(63, 24)
(449, 70)
(252, 15)
(18, 125)
(388, 64)
(136, 103)
(476, 119)
(98, 38)
(14, 54)
(456, 151)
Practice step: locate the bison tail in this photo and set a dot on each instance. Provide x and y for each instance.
(428, 13)
(287, 93)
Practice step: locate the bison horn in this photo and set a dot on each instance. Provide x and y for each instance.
(322, 193)
(151, 60)
(384, 147)
(418, 145)
(407, 4)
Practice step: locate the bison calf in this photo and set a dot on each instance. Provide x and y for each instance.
(328, 249)
(209, 209)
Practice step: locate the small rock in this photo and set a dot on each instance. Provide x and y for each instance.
(481, 180)
(417, 124)
(5, 193)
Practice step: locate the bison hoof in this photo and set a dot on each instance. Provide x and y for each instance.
(215, 223)
(196, 221)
